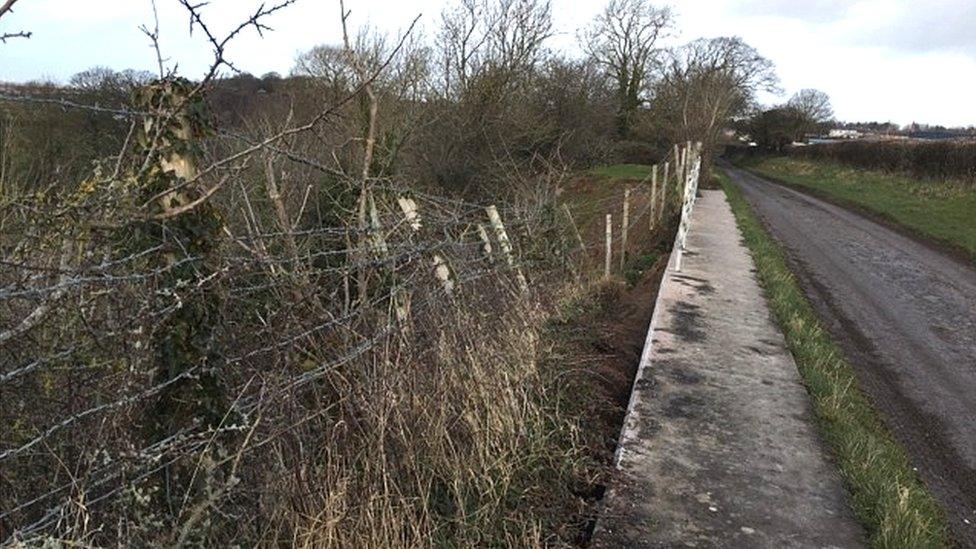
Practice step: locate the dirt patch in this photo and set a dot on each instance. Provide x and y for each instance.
(601, 349)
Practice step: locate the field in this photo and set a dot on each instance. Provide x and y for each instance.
(622, 172)
(940, 210)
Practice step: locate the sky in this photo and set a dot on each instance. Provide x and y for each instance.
(886, 60)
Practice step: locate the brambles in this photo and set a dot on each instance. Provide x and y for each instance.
(277, 310)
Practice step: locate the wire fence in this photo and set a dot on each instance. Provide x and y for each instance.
(151, 356)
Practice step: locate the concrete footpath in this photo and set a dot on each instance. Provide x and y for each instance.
(719, 446)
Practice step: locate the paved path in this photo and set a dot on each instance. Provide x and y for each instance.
(719, 447)
(905, 316)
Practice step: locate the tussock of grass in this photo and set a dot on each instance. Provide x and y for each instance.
(886, 494)
(939, 209)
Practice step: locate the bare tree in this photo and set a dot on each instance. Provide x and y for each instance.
(519, 29)
(707, 83)
(326, 63)
(623, 40)
(462, 34)
(814, 107)
(504, 36)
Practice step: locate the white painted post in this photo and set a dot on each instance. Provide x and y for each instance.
(652, 211)
(664, 193)
(678, 167)
(485, 241)
(443, 274)
(401, 297)
(609, 247)
(409, 208)
(506, 245)
(687, 207)
(624, 228)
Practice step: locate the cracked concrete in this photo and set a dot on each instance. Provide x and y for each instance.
(719, 448)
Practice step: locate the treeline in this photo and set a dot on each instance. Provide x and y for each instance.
(930, 159)
(482, 96)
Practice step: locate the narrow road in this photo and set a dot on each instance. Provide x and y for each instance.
(905, 316)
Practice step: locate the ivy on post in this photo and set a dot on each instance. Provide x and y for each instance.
(186, 227)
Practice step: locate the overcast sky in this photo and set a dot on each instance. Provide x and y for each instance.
(898, 60)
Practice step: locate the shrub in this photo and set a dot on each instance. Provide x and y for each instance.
(938, 159)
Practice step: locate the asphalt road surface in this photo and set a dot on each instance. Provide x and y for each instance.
(904, 314)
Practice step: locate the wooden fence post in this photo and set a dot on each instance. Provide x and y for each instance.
(685, 168)
(409, 208)
(401, 297)
(506, 245)
(609, 247)
(624, 228)
(664, 193)
(485, 241)
(652, 211)
(678, 168)
(579, 237)
(443, 274)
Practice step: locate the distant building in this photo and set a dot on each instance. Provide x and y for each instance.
(844, 134)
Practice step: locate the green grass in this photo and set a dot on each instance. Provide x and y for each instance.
(887, 496)
(943, 210)
(638, 265)
(622, 171)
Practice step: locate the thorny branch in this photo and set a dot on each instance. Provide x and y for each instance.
(5, 8)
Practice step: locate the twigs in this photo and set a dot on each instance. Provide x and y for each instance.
(6, 8)
(200, 354)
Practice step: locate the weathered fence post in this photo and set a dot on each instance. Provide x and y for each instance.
(401, 297)
(685, 164)
(410, 212)
(678, 165)
(485, 241)
(187, 369)
(652, 210)
(579, 237)
(609, 247)
(624, 229)
(506, 245)
(443, 273)
(664, 193)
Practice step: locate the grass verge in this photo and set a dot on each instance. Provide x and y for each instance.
(622, 171)
(942, 210)
(887, 496)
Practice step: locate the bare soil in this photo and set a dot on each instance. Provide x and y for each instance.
(600, 346)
